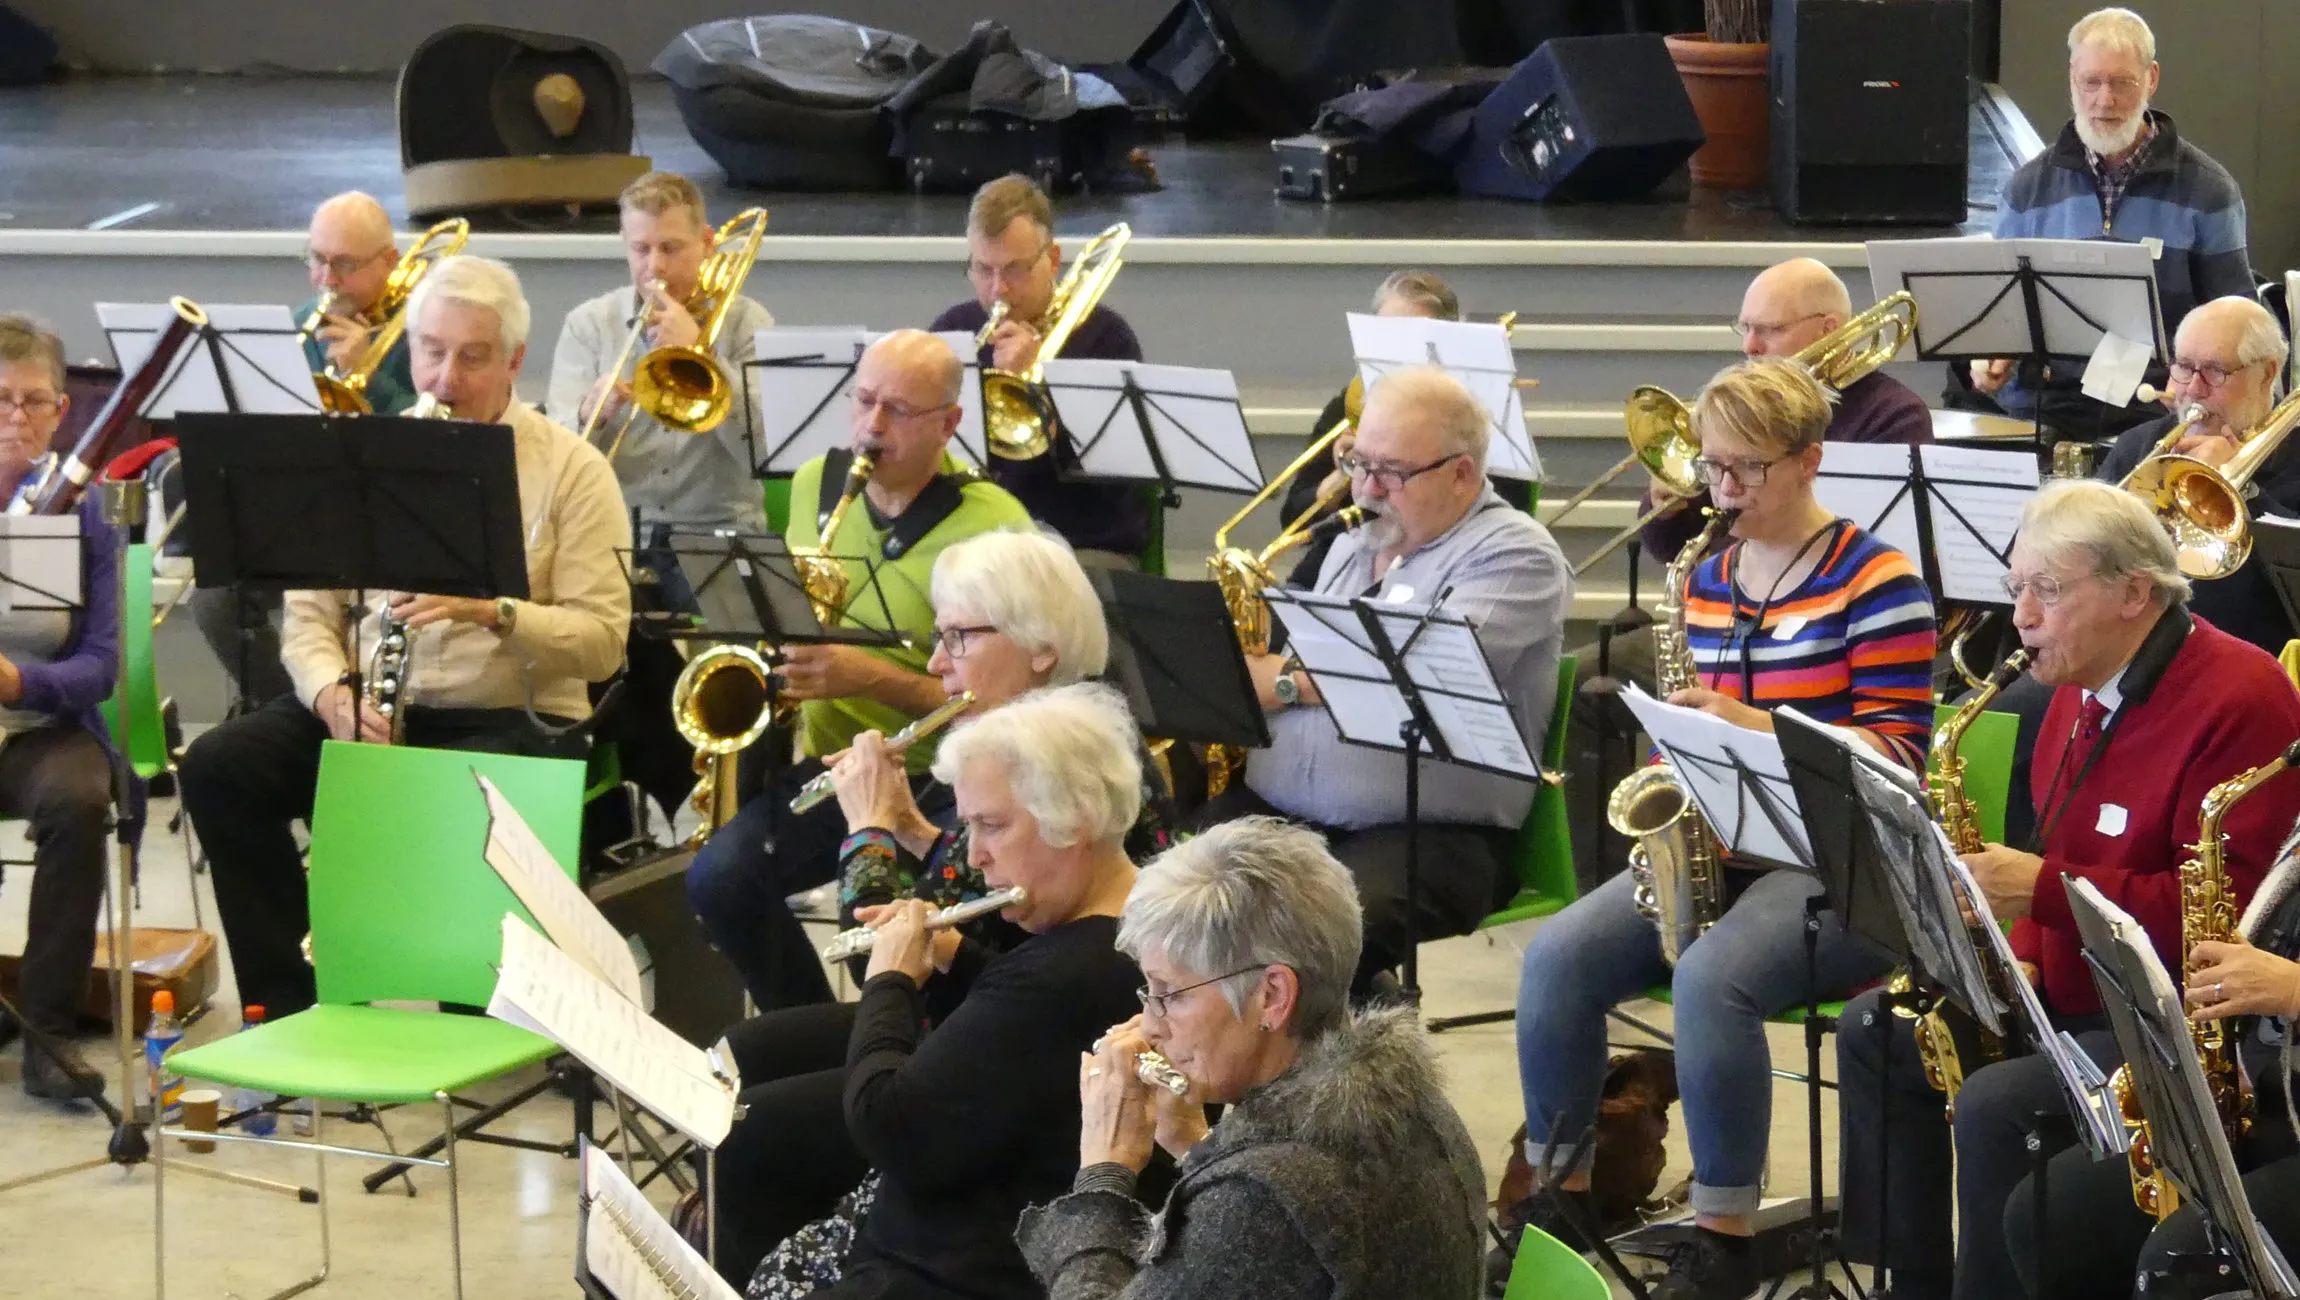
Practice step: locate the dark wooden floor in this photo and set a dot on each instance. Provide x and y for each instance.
(246, 153)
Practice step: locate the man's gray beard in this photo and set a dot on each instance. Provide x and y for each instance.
(1382, 530)
(2109, 147)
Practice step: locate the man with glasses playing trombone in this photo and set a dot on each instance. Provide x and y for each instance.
(349, 254)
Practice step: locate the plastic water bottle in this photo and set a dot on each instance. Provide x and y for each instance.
(246, 1102)
(161, 1037)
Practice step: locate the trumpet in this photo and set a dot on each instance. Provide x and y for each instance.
(823, 787)
(859, 941)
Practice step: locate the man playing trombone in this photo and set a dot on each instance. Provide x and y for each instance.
(349, 255)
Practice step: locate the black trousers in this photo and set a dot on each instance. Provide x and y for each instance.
(789, 1159)
(245, 780)
(1996, 1113)
(2094, 1241)
(1462, 876)
(60, 779)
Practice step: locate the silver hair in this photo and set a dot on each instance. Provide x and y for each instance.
(478, 282)
(1432, 390)
(1422, 289)
(2118, 29)
(1251, 893)
(1069, 754)
(1028, 585)
(2110, 530)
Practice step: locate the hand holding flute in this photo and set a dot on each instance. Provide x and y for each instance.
(864, 939)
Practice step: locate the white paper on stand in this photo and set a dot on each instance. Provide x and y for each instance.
(266, 366)
(1476, 353)
(630, 1249)
(801, 386)
(569, 918)
(543, 990)
(1868, 483)
(1192, 412)
(40, 562)
(2116, 369)
(1758, 820)
(1976, 495)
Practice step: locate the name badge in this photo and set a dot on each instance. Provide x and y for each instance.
(2154, 246)
(1399, 594)
(2112, 820)
(1788, 628)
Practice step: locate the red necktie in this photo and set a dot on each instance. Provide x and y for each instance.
(2089, 721)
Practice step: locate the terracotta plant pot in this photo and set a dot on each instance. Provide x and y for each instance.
(1730, 95)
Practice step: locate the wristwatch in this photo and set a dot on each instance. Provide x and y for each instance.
(506, 614)
(1288, 691)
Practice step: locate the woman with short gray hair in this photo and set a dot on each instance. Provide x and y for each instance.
(1339, 1169)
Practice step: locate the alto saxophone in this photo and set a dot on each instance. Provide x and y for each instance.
(2208, 914)
(824, 574)
(1960, 820)
(1673, 856)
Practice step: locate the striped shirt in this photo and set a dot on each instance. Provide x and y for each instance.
(1851, 646)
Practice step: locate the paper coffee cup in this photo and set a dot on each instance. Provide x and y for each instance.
(200, 1106)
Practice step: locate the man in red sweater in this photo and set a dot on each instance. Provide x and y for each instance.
(2152, 707)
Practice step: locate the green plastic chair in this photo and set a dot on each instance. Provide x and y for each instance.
(1544, 853)
(778, 500)
(145, 741)
(1548, 1269)
(403, 908)
(1153, 556)
(1988, 753)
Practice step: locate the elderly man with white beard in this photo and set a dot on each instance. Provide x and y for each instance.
(1439, 532)
(2120, 170)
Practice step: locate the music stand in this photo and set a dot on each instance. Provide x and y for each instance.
(2276, 548)
(2146, 1012)
(748, 589)
(1954, 510)
(249, 358)
(1133, 422)
(1736, 777)
(1176, 656)
(801, 386)
(1400, 677)
(1479, 354)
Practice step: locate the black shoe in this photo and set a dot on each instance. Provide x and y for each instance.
(64, 1075)
(1539, 1210)
(1711, 1266)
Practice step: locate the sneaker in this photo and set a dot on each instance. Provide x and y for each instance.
(63, 1075)
(1711, 1266)
(1540, 1210)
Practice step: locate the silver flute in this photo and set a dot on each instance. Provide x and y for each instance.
(857, 942)
(823, 787)
(1156, 1071)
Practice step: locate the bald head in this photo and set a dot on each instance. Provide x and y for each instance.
(2231, 350)
(353, 213)
(921, 358)
(350, 251)
(906, 393)
(1789, 305)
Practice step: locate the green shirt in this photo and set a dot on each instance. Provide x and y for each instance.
(899, 599)
(390, 390)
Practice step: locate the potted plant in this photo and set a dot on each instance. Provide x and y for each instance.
(1724, 69)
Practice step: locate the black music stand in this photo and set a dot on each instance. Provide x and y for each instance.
(1175, 655)
(2276, 546)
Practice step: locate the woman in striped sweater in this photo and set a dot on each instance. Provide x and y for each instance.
(1801, 608)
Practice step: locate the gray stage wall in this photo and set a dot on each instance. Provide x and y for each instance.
(2227, 70)
(356, 35)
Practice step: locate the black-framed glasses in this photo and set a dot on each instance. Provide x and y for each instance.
(954, 639)
(341, 266)
(1157, 1003)
(1390, 477)
(1767, 330)
(38, 406)
(1747, 473)
(2047, 588)
(2211, 372)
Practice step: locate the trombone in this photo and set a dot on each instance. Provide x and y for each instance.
(2201, 505)
(1017, 415)
(1660, 425)
(685, 388)
(615, 372)
(1242, 574)
(346, 393)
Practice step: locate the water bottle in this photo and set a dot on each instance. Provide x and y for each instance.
(247, 1102)
(161, 1037)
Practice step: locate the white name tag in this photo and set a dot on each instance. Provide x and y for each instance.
(2154, 246)
(2112, 820)
(1788, 628)
(1399, 594)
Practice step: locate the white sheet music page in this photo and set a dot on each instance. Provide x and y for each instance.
(802, 390)
(630, 1249)
(1868, 483)
(552, 897)
(547, 992)
(1976, 496)
(1761, 821)
(1090, 397)
(1465, 702)
(39, 562)
(1476, 353)
(1324, 632)
(266, 366)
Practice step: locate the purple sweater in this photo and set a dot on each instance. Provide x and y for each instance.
(1874, 408)
(74, 684)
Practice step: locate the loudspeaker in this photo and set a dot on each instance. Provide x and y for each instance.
(1869, 110)
(1583, 117)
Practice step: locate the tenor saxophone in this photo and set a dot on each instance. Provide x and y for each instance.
(2208, 914)
(1674, 857)
(1960, 820)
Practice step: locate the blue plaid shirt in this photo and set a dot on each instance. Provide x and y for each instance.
(2111, 180)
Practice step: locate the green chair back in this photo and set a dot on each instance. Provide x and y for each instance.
(778, 499)
(145, 741)
(1988, 753)
(1548, 1269)
(1545, 843)
(1533, 500)
(1153, 557)
(403, 904)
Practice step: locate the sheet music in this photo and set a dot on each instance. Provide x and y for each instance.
(1868, 483)
(569, 918)
(1477, 354)
(630, 1249)
(1465, 702)
(257, 348)
(40, 562)
(1193, 415)
(542, 989)
(1709, 756)
(1929, 896)
(968, 440)
(1963, 307)
(801, 384)
(1975, 496)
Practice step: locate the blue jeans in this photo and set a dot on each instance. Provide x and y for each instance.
(1600, 952)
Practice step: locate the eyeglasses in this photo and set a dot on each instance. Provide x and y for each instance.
(38, 406)
(865, 402)
(342, 266)
(2211, 372)
(2045, 587)
(2121, 87)
(986, 273)
(1158, 1004)
(953, 639)
(1390, 477)
(1747, 473)
(1765, 330)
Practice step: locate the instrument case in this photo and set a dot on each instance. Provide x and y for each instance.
(1334, 169)
(181, 961)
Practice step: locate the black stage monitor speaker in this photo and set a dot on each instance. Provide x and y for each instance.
(1869, 110)
(1583, 117)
